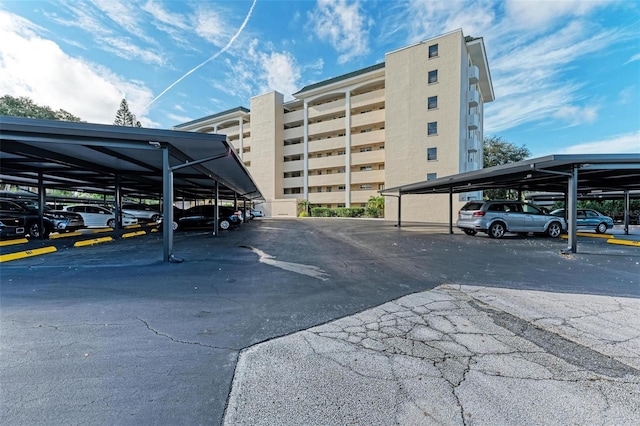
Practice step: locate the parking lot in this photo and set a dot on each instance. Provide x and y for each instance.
(110, 332)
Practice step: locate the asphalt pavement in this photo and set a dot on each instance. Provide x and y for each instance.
(323, 321)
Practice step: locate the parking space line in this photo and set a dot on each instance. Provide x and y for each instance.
(624, 242)
(587, 234)
(65, 235)
(99, 230)
(133, 226)
(133, 234)
(92, 241)
(27, 253)
(12, 242)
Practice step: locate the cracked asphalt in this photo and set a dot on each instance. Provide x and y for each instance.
(322, 322)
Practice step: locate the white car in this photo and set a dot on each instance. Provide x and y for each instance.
(143, 212)
(100, 216)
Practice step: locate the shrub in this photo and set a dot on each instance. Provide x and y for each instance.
(303, 214)
(349, 211)
(322, 212)
(373, 211)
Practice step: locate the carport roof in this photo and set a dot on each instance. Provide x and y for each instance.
(596, 172)
(92, 157)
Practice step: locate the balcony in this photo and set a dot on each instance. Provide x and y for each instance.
(327, 144)
(473, 122)
(472, 166)
(362, 196)
(370, 157)
(333, 179)
(474, 74)
(293, 133)
(367, 118)
(294, 116)
(334, 107)
(370, 98)
(293, 166)
(297, 149)
(472, 144)
(369, 176)
(293, 182)
(333, 161)
(367, 138)
(474, 97)
(329, 126)
(334, 197)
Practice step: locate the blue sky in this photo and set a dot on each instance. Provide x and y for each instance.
(566, 73)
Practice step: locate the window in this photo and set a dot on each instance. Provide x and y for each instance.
(366, 186)
(366, 168)
(432, 176)
(432, 102)
(341, 187)
(433, 77)
(341, 152)
(433, 51)
(432, 128)
(432, 154)
(366, 149)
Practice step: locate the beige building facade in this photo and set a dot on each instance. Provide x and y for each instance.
(415, 117)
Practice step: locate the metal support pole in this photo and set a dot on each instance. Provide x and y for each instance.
(216, 212)
(116, 203)
(42, 199)
(167, 207)
(627, 208)
(399, 210)
(572, 196)
(451, 211)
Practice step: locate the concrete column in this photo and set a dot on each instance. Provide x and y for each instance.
(347, 149)
(241, 141)
(305, 178)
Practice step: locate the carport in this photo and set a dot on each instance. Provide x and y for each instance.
(122, 160)
(572, 175)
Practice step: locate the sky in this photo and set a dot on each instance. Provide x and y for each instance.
(565, 73)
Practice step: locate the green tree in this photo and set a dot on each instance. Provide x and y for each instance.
(25, 107)
(496, 152)
(304, 206)
(375, 206)
(124, 117)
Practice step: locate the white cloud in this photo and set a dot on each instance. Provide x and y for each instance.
(621, 144)
(628, 95)
(540, 14)
(575, 115)
(88, 91)
(343, 26)
(281, 73)
(634, 58)
(126, 49)
(211, 26)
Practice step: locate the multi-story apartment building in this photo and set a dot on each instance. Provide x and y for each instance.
(415, 117)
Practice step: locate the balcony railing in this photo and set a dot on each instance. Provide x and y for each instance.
(327, 162)
(369, 98)
(327, 180)
(292, 166)
(369, 176)
(474, 74)
(367, 138)
(474, 97)
(366, 118)
(369, 157)
(293, 133)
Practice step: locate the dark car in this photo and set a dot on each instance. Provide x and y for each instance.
(30, 216)
(204, 216)
(11, 226)
(589, 219)
(61, 221)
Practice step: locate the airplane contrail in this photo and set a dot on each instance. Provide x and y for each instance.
(224, 49)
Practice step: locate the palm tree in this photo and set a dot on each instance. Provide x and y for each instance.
(305, 206)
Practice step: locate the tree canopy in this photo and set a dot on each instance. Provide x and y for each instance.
(496, 152)
(25, 107)
(124, 117)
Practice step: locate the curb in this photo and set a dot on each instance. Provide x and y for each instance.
(27, 253)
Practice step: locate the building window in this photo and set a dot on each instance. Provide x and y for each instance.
(366, 186)
(366, 168)
(328, 189)
(432, 128)
(432, 154)
(433, 51)
(432, 102)
(341, 152)
(341, 187)
(433, 76)
(366, 149)
(432, 176)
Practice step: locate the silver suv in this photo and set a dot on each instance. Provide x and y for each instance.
(498, 217)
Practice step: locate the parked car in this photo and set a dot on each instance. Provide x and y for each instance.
(28, 213)
(500, 216)
(10, 225)
(95, 215)
(144, 212)
(589, 219)
(256, 213)
(61, 221)
(204, 216)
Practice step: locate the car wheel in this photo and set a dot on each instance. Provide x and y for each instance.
(174, 225)
(470, 232)
(156, 218)
(224, 224)
(497, 230)
(111, 223)
(601, 228)
(34, 231)
(554, 230)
